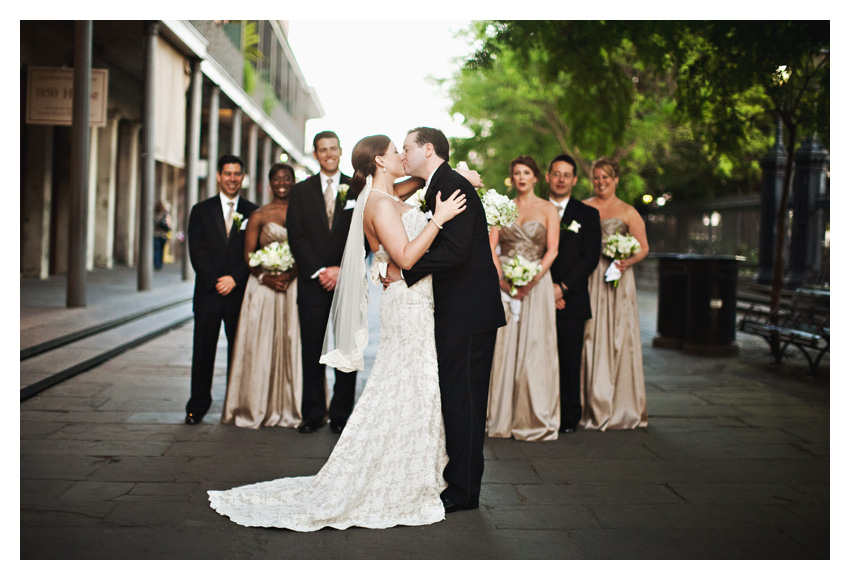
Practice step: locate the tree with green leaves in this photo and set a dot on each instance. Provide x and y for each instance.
(730, 79)
(587, 98)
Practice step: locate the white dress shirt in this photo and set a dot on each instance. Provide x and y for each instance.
(334, 181)
(430, 177)
(225, 207)
(561, 205)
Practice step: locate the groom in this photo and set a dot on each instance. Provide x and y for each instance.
(467, 312)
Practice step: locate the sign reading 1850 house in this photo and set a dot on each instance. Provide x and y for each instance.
(50, 96)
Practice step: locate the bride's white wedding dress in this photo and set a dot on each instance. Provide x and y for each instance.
(387, 467)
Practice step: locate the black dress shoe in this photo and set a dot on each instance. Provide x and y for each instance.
(193, 418)
(337, 427)
(308, 427)
(452, 507)
(567, 430)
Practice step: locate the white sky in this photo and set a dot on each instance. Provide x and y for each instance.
(371, 76)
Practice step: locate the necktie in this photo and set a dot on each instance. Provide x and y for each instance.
(330, 201)
(228, 222)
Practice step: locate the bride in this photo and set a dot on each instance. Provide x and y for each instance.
(387, 466)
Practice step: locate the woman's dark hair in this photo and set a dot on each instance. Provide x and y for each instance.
(363, 159)
(278, 166)
(528, 161)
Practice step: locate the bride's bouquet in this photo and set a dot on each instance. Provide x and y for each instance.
(618, 247)
(500, 210)
(274, 258)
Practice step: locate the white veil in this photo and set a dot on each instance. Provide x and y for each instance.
(350, 306)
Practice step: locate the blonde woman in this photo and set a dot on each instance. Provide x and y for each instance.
(613, 391)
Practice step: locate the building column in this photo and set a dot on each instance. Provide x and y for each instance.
(127, 193)
(236, 133)
(193, 155)
(212, 147)
(104, 208)
(146, 199)
(253, 174)
(80, 131)
(36, 202)
(267, 155)
(91, 203)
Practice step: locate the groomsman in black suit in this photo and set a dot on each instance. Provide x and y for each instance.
(319, 217)
(467, 311)
(578, 255)
(216, 246)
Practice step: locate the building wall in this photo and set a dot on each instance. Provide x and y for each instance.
(116, 158)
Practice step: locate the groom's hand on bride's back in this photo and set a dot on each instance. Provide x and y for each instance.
(393, 275)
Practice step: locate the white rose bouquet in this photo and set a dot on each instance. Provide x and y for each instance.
(500, 210)
(274, 258)
(618, 247)
(519, 272)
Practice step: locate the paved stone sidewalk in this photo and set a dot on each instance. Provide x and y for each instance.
(734, 465)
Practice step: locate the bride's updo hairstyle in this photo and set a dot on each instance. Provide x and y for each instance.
(363, 159)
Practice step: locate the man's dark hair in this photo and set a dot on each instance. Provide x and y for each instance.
(435, 137)
(324, 135)
(227, 159)
(567, 159)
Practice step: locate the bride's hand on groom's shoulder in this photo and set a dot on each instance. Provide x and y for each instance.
(471, 176)
(448, 208)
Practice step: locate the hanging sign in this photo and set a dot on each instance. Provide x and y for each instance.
(50, 96)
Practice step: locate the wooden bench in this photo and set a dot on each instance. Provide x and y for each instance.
(802, 321)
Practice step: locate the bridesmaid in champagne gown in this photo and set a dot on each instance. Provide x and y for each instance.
(613, 391)
(264, 387)
(524, 398)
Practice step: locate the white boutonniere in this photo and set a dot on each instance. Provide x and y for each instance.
(237, 219)
(573, 227)
(417, 200)
(342, 192)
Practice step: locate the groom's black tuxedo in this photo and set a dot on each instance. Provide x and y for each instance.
(467, 312)
(578, 256)
(214, 254)
(314, 246)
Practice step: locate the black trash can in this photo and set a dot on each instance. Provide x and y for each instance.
(711, 305)
(671, 323)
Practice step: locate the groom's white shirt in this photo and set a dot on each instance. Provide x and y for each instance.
(430, 177)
